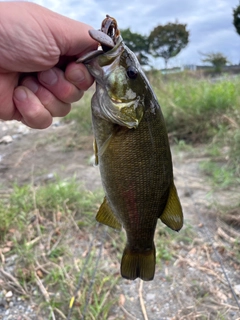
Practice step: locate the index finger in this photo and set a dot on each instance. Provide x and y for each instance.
(78, 74)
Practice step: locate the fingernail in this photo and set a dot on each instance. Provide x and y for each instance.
(20, 94)
(49, 77)
(31, 84)
(76, 76)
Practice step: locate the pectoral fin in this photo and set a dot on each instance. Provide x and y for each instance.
(95, 149)
(98, 152)
(105, 145)
(172, 215)
(106, 216)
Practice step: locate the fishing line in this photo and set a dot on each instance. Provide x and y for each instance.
(219, 259)
(80, 280)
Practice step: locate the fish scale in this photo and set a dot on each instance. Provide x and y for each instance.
(133, 153)
(128, 170)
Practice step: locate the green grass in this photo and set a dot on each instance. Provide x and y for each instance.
(81, 114)
(48, 230)
(41, 227)
(223, 165)
(207, 112)
(196, 110)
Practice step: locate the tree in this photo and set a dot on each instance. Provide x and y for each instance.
(137, 43)
(236, 18)
(166, 41)
(218, 60)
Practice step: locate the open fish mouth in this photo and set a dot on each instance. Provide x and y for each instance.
(121, 103)
(124, 113)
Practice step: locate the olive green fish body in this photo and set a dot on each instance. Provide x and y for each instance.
(136, 177)
(136, 173)
(133, 153)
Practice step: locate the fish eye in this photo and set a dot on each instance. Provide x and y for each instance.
(132, 72)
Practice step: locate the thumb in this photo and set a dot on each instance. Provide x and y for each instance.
(71, 36)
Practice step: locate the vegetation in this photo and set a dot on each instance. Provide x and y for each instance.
(236, 18)
(81, 114)
(48, 233)
(204, 111)
(168, 40)
(165, 41)
(138, 44)
(41, 228)
(218, 60)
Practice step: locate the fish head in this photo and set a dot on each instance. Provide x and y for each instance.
(122, 87)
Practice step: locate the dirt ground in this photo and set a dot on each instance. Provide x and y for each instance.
(193, 286)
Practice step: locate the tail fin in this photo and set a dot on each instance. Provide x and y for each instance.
(138, 264)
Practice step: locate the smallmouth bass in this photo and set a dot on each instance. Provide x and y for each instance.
(132, 150)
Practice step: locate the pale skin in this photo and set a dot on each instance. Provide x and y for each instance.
(39, 78)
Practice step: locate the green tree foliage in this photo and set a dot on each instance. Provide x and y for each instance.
(236, 18)
(166, 41)
(137, 43)
(218, 60)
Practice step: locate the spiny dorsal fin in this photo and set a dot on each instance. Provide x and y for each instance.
(107, 217)
(172, 215)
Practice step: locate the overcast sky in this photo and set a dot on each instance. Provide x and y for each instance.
(209, 21)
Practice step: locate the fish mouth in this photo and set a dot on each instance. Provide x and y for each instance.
(126, 113)
(125, 105)
(122, 101)
(118, 101)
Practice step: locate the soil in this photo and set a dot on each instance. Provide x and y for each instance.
(191, 286)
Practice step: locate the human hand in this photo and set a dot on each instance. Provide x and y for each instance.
(38, 75)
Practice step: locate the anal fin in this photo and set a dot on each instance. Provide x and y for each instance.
(107, 217)
(172, 215)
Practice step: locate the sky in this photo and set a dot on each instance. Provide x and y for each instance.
(208, 21)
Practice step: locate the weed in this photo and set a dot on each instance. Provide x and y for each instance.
(42, 224)
(194, 110)
(81, 114)
(220, 175)
(51, 226)
(167, 240)
(204, 111)
(181, 145)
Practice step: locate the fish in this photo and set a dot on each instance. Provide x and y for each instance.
(132, 151)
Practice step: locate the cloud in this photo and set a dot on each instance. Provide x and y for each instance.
(209, 22)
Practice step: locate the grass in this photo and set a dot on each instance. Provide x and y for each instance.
(50, 233)
(81, 114)
(205, 111)
(48, 230)
(196, 110)
(39, 228)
